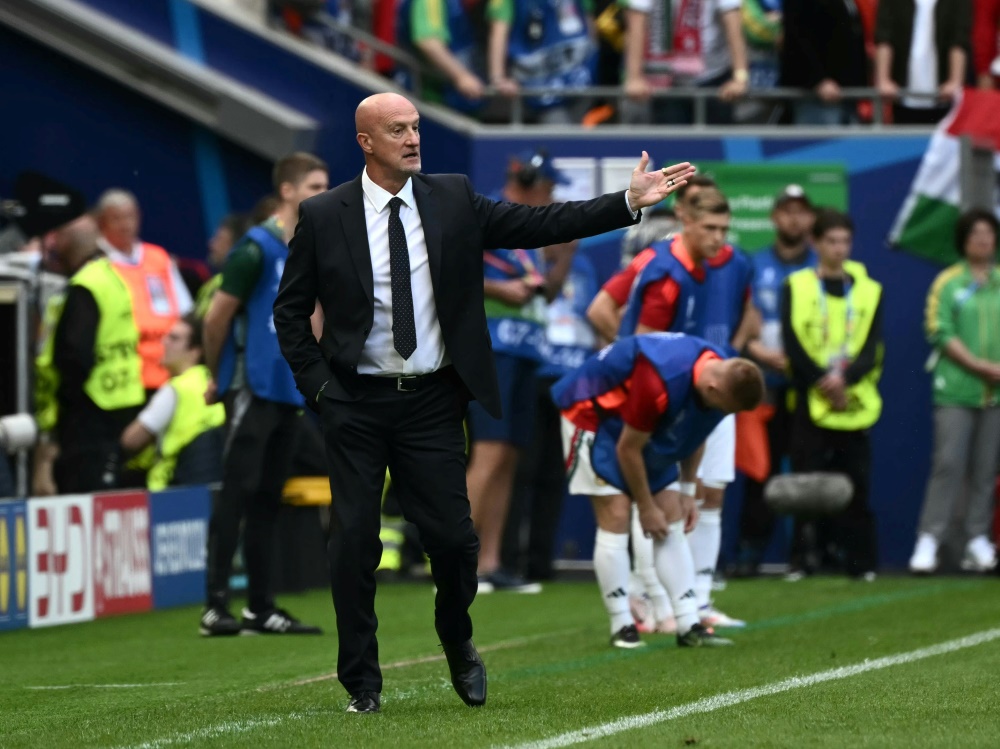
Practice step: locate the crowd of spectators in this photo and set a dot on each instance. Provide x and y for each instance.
(478, 55)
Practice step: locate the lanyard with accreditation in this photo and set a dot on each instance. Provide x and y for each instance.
(840, 362)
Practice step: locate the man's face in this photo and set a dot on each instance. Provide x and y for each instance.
(395, 140)
(219, 246)
(313, 183)
(176, 345)
(120, 225)
(539, 194)
(792, 221)
(681, 206)
(981, 245)
(706, 235)
(722, 400)
(834, 247)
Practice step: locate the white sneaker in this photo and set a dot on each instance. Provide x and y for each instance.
(980, 555)
(712, 617)
(924, 559)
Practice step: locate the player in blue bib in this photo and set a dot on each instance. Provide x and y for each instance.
(635, 416)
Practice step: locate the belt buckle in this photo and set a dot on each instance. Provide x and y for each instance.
(402, 379)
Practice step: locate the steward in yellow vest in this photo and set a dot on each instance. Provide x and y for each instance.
(177, 416)
(88, 366)
(831, 330)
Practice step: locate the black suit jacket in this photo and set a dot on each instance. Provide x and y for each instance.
(823, 39)
(330, 260)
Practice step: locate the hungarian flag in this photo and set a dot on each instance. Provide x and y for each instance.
(926, 223)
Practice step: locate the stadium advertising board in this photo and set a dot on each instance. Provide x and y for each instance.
(179, 536)
(122, 579)
(751, 189)
(60, 579)
(13, 565)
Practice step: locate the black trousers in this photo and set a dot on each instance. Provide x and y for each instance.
(757, 519)
(530, 534)
(258, 453)
(853, 531)
(420, 437)
(90, 455)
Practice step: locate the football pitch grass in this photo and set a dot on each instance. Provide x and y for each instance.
(898, 662)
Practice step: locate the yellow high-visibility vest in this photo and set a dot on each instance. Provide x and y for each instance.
(192, 417)
(835, 328)
(116, 380)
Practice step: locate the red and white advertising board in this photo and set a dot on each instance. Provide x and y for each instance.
(123, 581)
(61, 582)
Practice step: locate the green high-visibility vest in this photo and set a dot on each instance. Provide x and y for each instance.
(116, 380)
(833, 329)
(192, 417)
(205, 294)
(46, 375)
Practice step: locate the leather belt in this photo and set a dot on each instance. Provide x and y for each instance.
(406, 383)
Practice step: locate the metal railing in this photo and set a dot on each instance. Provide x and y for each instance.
(701, 96)
(420, 72)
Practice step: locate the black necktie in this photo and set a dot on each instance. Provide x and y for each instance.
(404, 329)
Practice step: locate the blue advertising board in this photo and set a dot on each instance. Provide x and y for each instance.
(13, 565)
(179, 534)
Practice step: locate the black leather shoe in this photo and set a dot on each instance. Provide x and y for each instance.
(468, 674)
(365, 702)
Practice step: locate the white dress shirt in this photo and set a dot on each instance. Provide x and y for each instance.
(184, 301)
(922, 70)
(379, 357)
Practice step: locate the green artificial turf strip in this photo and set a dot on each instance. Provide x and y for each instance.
(551, 672)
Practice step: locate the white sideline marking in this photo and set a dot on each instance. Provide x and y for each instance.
(728, 699)
(217, 731)
(502, 645)
(110, 686)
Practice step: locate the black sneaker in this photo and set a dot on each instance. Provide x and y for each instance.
(275, 622)
(627, 637)
(216, 621)
(700, 636)
(501, 580)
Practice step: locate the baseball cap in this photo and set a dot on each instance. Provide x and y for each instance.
(46, 204)
(527, 166)
(790, 193)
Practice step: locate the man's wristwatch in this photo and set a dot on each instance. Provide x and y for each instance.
(741, 75)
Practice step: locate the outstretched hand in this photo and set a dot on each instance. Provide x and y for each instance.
(649, 188)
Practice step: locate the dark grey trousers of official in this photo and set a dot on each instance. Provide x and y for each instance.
(966, 451)
(257, 463)
(420, 437)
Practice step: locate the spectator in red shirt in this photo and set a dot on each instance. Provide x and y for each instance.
(986, 42)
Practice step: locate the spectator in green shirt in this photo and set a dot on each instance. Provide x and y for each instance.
(963, 325)
(441, 32)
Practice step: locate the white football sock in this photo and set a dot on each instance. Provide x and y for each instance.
(645, 570)
(675, 567)
(611, 566)
(706, 540)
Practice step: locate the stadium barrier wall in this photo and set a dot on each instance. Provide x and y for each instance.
(75, 558)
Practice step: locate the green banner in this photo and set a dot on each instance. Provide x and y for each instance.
(751, 189)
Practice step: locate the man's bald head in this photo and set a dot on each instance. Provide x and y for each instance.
(389, 135)
(375, 107)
